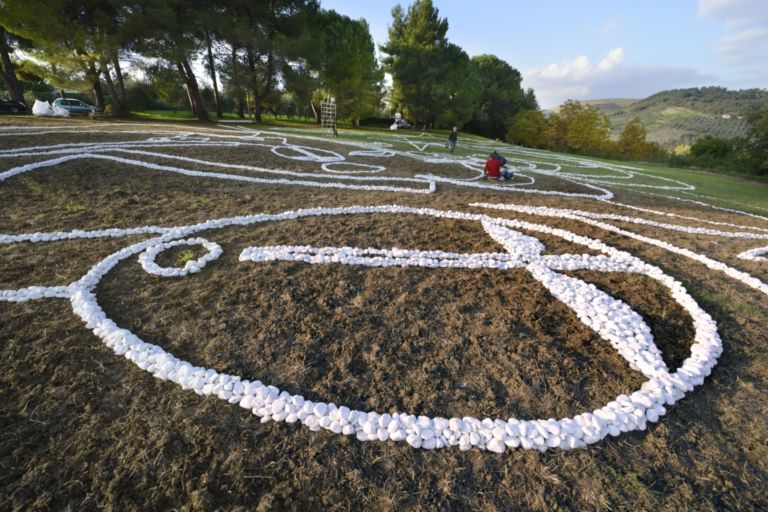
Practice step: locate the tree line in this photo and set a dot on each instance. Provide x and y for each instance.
(266, 55)
(577, 127)
(252, 51)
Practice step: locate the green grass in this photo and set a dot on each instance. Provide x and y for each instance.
(748, 194)
(185, 256)
(75, 207)
(186, 115)
(741, 192)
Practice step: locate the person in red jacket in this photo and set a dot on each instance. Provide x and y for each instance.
(493, 169)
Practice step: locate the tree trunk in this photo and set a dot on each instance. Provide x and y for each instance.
(9, 71)
(260, 96)
(119, 107)
(119, 78)
(256, 109)
(195, 100)
(237, 85)
(93, 77)
(212, 71)
(315, 112)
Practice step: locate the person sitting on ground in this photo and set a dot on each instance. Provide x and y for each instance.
(493, 169)
(502, 162)
(452, 138)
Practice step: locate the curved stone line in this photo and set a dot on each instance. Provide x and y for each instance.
(147, 258)
(754, 254)
(623, 414)
(186, 133)
(739, 275)
(363, 168)
(212, 175)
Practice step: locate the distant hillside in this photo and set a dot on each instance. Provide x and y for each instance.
(681, 116)
(612, 104)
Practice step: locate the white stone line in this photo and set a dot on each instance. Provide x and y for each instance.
(79, 233)
(361, 168)
(213, 175)
(427, 179)
(325, 156)
(253, 168)
(147, 258)
(701, 203)
(89, 147)
(36, 293)
(623, 414)
(686, 217)
(373, 153)
(739, 275)
(606, 194)
(307, 154)
(663, 225)
(754, 254)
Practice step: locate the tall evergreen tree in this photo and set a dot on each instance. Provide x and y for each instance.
(261, 38)
(433, 78)
(347, 66)
(501, 98)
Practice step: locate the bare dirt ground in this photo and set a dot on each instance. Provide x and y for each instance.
(84, 429)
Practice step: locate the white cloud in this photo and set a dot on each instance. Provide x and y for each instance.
(747, 46)
(578, 68)
(614, 58)
(568, 69)
(578, 78)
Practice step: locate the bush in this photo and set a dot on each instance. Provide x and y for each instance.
(711, 147)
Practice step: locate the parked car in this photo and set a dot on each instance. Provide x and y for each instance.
(74, 106)
(400, 124)
(14, 107)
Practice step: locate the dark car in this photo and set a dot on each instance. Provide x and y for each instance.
(14, 107)
(402, 124)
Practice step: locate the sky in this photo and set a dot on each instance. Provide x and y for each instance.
(596, 49)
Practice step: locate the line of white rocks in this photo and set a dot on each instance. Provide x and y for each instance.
(147, 258)
(606, 315)
(754, 254)
(330, 158)
(734, 273)
(214, 175)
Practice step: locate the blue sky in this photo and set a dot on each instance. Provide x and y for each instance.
(592, 49)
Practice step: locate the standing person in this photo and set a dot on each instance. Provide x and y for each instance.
(452, 138)
(493, 169)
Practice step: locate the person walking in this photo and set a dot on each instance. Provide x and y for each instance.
(452, 139)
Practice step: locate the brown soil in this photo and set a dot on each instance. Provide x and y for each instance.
(84, 429)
